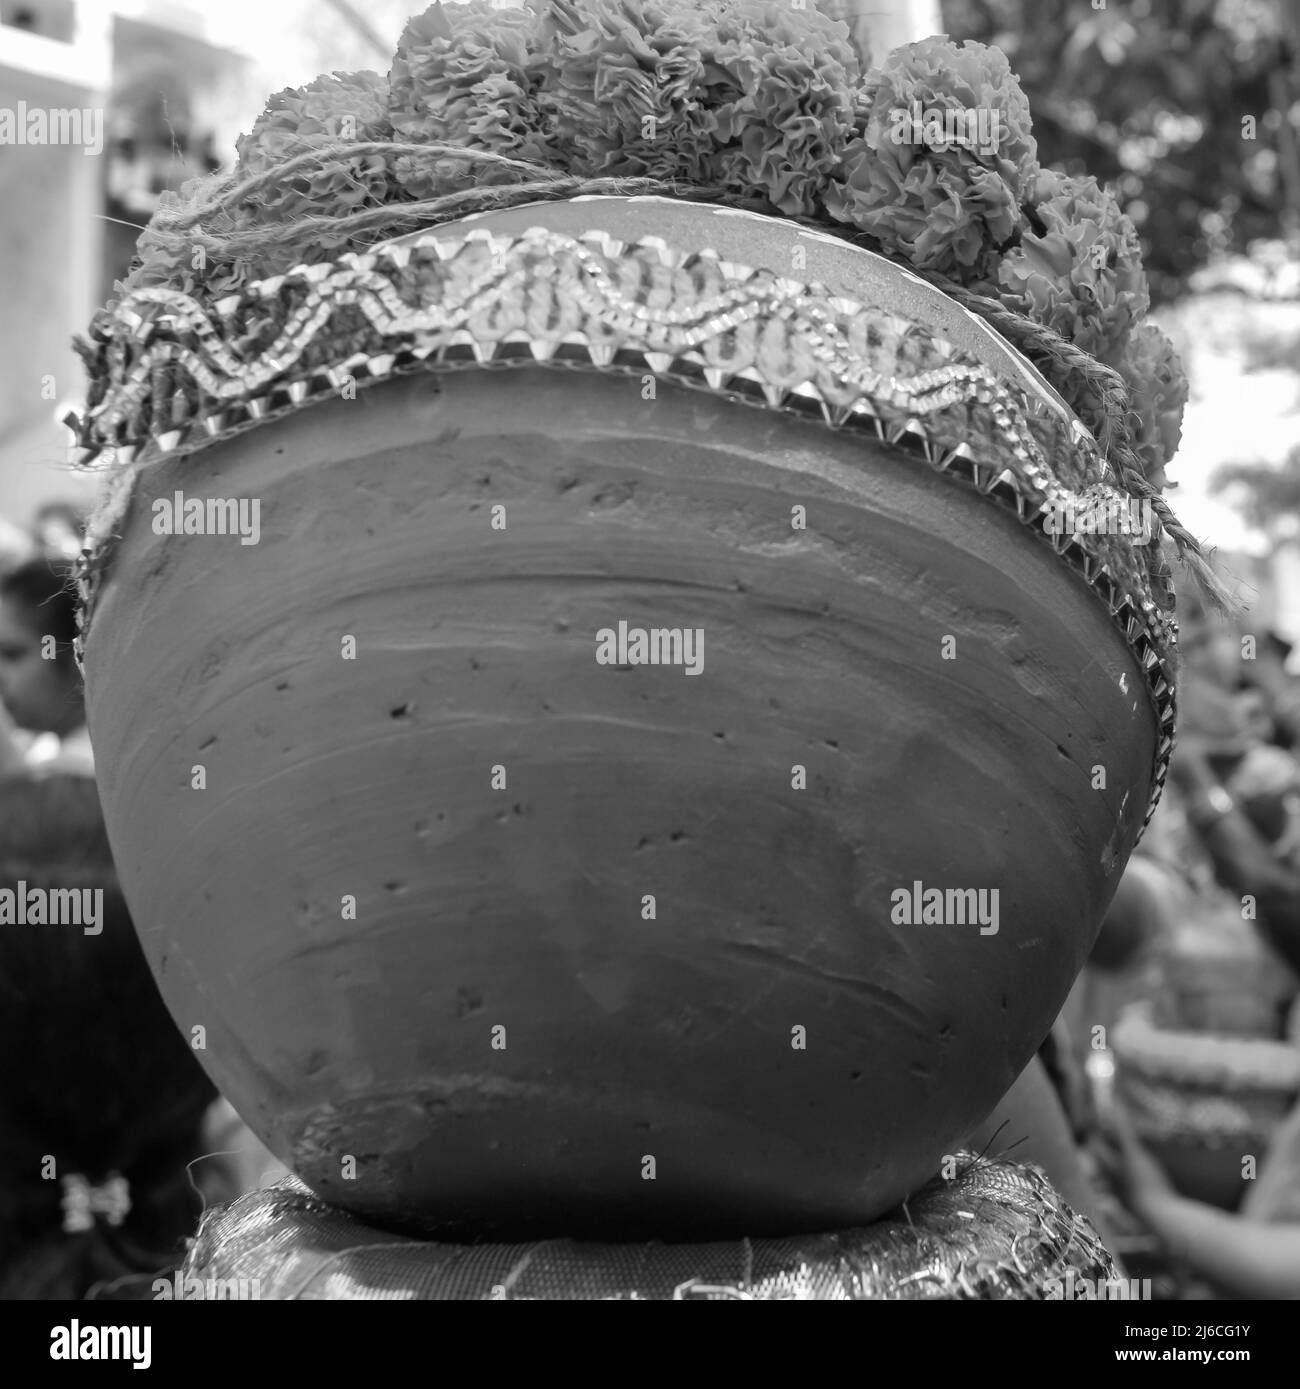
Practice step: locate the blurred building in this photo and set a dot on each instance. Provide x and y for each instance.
(103, 104)
(880, 25)
(1238, 333)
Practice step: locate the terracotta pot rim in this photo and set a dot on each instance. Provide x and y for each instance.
(855, 397)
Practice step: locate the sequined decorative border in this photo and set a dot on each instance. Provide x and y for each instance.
(995, 1230)
(172, 376)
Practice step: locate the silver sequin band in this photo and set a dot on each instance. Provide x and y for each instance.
(169, 375)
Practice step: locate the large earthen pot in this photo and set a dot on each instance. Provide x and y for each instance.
(511, 1039)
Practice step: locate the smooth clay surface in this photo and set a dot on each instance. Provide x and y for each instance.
(626, 1039)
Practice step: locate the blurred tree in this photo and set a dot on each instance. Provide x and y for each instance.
(379, 47)
(1153, 97)
(1269, 497)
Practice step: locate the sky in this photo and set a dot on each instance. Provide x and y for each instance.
(1235, 413)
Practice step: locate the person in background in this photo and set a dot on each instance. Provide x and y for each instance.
(13, 748)
(16, 547)
(60, 530)
(102, 1101)
(1255, 1253)
(40, 685)
(1229, 822)
(1245, 861)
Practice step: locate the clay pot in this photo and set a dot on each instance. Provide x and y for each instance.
(503, 1038)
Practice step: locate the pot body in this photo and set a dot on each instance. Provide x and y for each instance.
(625, 958)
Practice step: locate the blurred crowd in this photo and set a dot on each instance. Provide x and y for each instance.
(1185, 1024)
(112, 1138)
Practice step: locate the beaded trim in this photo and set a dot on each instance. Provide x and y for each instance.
(995, 1230)
(169, 375)
(1163, 1113)
(1204, 1060)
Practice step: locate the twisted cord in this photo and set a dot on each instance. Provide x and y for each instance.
(228, 194)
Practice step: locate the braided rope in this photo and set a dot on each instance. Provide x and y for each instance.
(231, 194)
(180, 229)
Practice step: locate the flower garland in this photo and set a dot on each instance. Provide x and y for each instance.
(930, 158)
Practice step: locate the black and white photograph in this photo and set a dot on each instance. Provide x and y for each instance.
(649, 651)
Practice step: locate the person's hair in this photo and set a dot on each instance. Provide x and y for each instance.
(45, 589)
(96, 1076)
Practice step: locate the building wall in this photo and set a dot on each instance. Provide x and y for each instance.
(59, 263)
(49, 209)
